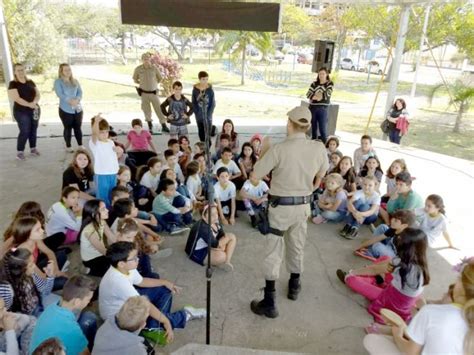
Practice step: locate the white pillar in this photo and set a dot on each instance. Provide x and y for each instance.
(5, 50)
(418, 56)
(397, 57)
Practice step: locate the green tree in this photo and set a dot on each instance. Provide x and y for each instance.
(237, 42)
(297, 25)
(462, 95)
(33, 38)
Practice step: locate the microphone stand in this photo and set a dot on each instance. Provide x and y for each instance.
(203, 102)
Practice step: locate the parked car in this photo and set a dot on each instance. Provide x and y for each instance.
(347, 64)
(374, 67)
(304, 58)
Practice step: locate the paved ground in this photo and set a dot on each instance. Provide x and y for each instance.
(327, 319)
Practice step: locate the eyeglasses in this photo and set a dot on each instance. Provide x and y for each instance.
(133, 259)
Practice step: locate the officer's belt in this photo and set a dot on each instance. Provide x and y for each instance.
(290, 200)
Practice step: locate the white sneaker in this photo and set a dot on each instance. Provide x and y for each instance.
(194, 313)
(85, 270)
(69, 150)
(65, 267)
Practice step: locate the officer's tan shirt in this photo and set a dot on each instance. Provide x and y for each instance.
(148, 78)
(295, 163)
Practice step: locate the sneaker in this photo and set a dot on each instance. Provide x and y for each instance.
(65, 267)
(69, 150)
(353, 233)
(164, 128)
(344, 230)
(34, 152)
(20, 156)
(319, 219)
(194, 313)
(227, 267)
(177, 230)
(163, 253)
(341, 275)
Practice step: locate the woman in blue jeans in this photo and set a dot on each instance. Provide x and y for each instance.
(25, 96)
(396, 111)
(319, 95)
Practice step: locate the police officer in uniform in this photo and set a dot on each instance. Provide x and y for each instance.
(147, 76)
(294, 163)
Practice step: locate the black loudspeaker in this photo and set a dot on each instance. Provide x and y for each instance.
(323, 55)
(212, 14)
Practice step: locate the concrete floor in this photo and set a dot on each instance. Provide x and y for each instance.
(327, 318)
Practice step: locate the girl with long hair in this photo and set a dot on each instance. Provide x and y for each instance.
(228, 128)
(80, 174)
(69, 91)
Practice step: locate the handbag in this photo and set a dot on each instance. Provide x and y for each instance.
(385, 126)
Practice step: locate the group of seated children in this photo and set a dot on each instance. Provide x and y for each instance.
(395, 279)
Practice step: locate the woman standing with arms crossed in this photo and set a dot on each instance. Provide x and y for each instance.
(397, 112)
(25, 95)
(70, 111)
(319, 95)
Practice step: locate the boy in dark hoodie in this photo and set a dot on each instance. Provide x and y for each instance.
(177, 109)
(203, 90)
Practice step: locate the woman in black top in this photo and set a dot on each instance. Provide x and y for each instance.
(398, 110)
(25, 95)
(319, 95)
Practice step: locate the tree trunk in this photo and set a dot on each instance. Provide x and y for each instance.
(457, 124)
(168, 39)
(123, 48)
(341, 38)
(242, 78)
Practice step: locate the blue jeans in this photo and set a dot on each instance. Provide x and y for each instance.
(145, 268)
(28, 128)
(88, 322)
(332, 216)
(394, 136)
(104, 185)
(168, 220)
(319, 119)
(162, 298)
(361, 207)
(384, 247)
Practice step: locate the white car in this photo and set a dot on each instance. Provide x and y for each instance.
(347, 64)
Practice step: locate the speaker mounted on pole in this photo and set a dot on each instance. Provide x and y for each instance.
(323, 55)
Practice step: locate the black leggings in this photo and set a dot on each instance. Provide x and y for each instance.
(71, 121)
(54, 241)
(98, 266)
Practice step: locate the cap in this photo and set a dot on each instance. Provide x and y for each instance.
(301, 116)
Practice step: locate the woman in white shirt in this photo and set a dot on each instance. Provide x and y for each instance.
(437, 328)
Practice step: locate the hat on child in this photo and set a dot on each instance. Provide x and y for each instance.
(301, 116)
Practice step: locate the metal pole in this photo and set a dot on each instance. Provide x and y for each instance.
(397, 57)
(6, 56)
(418, 56)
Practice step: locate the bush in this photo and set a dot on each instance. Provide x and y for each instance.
(170, 71)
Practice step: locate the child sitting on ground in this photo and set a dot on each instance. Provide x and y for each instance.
(345, 169)
(199, 148)
(227, 162)
(397, 166)
(151, 178)
(128, 231)
(332, 204)
(80, 175)
(363, 153)
(171, 209)
(123, 281)
(386, 238)
(432, 220)
(172, 163)
(225, 193)
(186, 152)
(404, 198)
(363, 208)
(334, 159)
(246, 162)
(371, 168)
(224, 142)
(93, 232)
(177, 109)
(255, 196)
(256, 142)
(404, 278)
(105, 159)
(193, 180)
(201, 236)
(63, 220)
(138, 143)
(124, 329)
(332, 143)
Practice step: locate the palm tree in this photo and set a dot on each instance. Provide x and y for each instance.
(462, 94)
(237, 42)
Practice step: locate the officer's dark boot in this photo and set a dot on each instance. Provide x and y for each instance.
(267, 306)
(164, 128)
(294, 287)
(150, 126)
